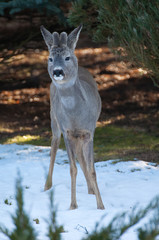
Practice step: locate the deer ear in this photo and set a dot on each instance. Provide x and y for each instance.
(73, 37)
(48, 38)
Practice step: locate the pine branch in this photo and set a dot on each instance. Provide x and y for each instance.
(123, 222)
(23, 228)
(54, 231)
(133, 25)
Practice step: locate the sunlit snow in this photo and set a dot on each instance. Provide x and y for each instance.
(122, 185)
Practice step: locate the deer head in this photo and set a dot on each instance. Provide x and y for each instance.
(62, 62)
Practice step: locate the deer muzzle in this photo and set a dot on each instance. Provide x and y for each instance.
(58, 74)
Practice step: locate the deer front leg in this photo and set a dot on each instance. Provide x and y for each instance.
(54, 146)
(70, 147)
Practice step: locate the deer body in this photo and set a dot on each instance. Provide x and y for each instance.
(75, 108)
(78, 107)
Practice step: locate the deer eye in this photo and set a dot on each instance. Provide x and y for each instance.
(67, 58)
(50, 59)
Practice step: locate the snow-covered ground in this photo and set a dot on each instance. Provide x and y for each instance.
(122, 185)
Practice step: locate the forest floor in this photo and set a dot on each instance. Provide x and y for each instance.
(129, 123)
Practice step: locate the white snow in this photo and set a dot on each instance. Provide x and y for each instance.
(122, 185)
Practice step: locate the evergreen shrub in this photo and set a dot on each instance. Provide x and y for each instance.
(130, 24)
(48, 7)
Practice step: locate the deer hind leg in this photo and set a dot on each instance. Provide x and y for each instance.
(83, 165)
(54, 146)
(70, 147)
(89, 159)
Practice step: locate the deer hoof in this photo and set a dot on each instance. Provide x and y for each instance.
(48, 185)
(101, 206)
(73, 206)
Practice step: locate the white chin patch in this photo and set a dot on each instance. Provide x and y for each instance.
(59, 78)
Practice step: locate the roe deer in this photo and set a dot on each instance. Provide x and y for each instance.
(75, 108)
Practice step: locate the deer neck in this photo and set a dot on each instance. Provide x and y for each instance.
(69, 95)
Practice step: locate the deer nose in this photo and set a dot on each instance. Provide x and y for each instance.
(58, 72)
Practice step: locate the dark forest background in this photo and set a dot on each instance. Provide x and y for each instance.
(118, 45)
